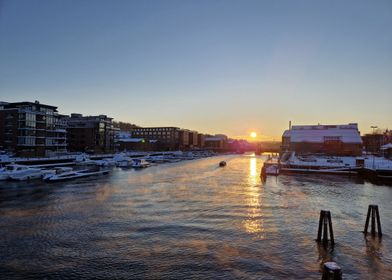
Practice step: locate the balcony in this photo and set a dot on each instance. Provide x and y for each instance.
(56, 145)
(58, 130)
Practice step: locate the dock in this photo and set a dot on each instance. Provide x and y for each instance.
(372, 168)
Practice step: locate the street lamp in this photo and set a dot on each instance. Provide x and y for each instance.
(374, 148)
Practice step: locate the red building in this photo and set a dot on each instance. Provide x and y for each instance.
(343, 140)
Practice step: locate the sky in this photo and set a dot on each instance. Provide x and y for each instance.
(213, 66)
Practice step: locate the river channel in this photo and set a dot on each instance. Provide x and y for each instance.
(191, 220)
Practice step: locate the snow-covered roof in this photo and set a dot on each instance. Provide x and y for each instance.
(387, 146)
(318, 133)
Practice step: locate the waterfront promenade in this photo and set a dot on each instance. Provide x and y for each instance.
(193, 220)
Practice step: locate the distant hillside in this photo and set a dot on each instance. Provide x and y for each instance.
(125, 126)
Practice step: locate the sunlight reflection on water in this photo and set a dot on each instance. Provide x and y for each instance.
(254, 221)
(191, 219)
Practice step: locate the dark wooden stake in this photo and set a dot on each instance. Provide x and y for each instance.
(325, 222)
(374, 215)
(331, 271)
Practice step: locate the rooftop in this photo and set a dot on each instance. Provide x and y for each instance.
(347, 133)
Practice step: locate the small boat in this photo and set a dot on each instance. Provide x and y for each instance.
(84, 159)
(127, 162)
(67, 174)
(122, 160)
(56, 171)
(222, 163)
(105, 162)
(23, 172)
(140, 163)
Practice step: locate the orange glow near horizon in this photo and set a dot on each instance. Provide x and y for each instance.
(253, 135)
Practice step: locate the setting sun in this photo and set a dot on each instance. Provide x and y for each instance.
(253, 134)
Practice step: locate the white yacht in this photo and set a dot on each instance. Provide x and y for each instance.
(122, 160)
(23, 172)
(105, 162)
(66, 173)
(140, 163)
(84, 159)
(57, 171)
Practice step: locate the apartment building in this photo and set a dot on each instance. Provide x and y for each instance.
(31, 129)
(168, 137)
(90, 134)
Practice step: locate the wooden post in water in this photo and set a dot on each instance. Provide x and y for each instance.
(331, 271)
(374, 215)
(325, 222)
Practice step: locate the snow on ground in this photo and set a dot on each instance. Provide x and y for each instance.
(371, 162)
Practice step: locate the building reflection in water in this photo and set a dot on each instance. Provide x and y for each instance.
(254, 221)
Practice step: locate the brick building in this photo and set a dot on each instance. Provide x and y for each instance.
(90, 134)
(169, 138)
(217, 142)
(200, 140)
(31, 129)
(193, 143)
(324, 139)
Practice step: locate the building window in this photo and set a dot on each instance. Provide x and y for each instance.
(26, 140)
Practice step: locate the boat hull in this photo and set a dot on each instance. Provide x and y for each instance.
(76, 175)
(25, 177)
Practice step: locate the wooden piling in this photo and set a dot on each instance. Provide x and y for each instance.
(373, 215)
(331, 271)
(325, 222)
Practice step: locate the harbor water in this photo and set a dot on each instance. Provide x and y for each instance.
(191, 220)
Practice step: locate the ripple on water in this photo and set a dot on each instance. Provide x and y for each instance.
(190, 220)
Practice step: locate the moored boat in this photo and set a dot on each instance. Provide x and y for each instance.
(65, 174)
(140, 163)
(23, 172)
(105, 162)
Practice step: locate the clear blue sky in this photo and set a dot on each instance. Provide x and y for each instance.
(214, 66)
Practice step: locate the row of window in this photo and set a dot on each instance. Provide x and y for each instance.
(153, 133)
(154, 129)
(26, 140)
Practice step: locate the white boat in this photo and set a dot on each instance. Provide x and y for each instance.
(122, 160)
(66, 174)
(84, 159)
(3, 174)
(57, 171)
(23, 172)
(126, 162)
(105, 162)
(140, 163)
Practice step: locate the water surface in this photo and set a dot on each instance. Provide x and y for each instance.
(191, 220)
